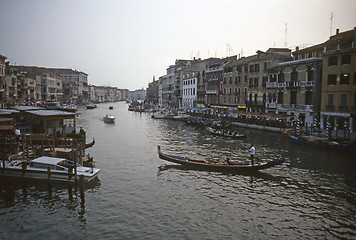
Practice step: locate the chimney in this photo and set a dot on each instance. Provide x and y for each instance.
(337, 31)
(297, 48)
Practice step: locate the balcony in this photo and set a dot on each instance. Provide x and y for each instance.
(330, 107)
(252, 103)
(307, 84)
(271, 85)
(271, 105)
(214, 69)
(214, 92)
(343, 108)
(292, 84)
(281, 85)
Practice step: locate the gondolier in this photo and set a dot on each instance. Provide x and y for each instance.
(252, 153)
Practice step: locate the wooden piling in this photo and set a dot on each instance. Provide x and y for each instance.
(48, 173)
(24, 168)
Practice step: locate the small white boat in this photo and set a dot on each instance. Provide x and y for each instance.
(160, 115)
(109, 118)
(47, 168)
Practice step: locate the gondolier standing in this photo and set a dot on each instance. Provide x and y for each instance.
(252, 153)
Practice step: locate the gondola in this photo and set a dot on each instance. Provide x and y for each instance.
(218, 166)
(225, 134)
(319, 142)
(88, 145)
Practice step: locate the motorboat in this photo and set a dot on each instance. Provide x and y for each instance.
(109, 118)
(47, 168)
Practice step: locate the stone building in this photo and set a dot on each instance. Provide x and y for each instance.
(338, 92)
(293, 88)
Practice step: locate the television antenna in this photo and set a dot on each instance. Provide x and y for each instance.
(331, 23)
(285, 36)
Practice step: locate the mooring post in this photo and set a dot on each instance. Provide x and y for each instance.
(24, 168)
(81, 189)
(48, 173)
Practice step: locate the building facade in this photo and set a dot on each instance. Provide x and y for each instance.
(2, 82)
(293, 88)
(338, 92)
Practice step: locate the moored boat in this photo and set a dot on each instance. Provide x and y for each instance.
(319, 142)
(47, 168)
(160, 115)
(225, 133)
(218, 165)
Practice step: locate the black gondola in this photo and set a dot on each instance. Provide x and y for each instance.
(218, 166)
(224, 133)
(88, 145)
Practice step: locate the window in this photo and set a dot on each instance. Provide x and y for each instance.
(308, 97)
(236, 79)
(257, 67)
(332, 61)
(330, 99)
(280, 77)
(343, 101)
(224, 80)
(280, 97)
(346, 59)
(252, 68)
(345, 79)
(332, 79)
(310, 74)
(256, 81)
(294, 75)
(264, 80)
(230, 81)
(245, 78)
(354, 78)
(293, 97)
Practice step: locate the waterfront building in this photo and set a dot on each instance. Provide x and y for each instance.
(170, 85)
(152, 92)
(190, 84)
(2, 81)
(78, 80)
(139, 94)
(293, 88)
(257, 75)
(338, 92)
(124, 94)
(214, 82)
(51, 87)
(70, 92)
(193, 85)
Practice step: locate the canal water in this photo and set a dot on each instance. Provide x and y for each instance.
(139, 196)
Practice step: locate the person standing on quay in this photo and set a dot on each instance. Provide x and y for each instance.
(252, 153)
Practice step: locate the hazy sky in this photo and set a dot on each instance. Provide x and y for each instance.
(123, 43)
